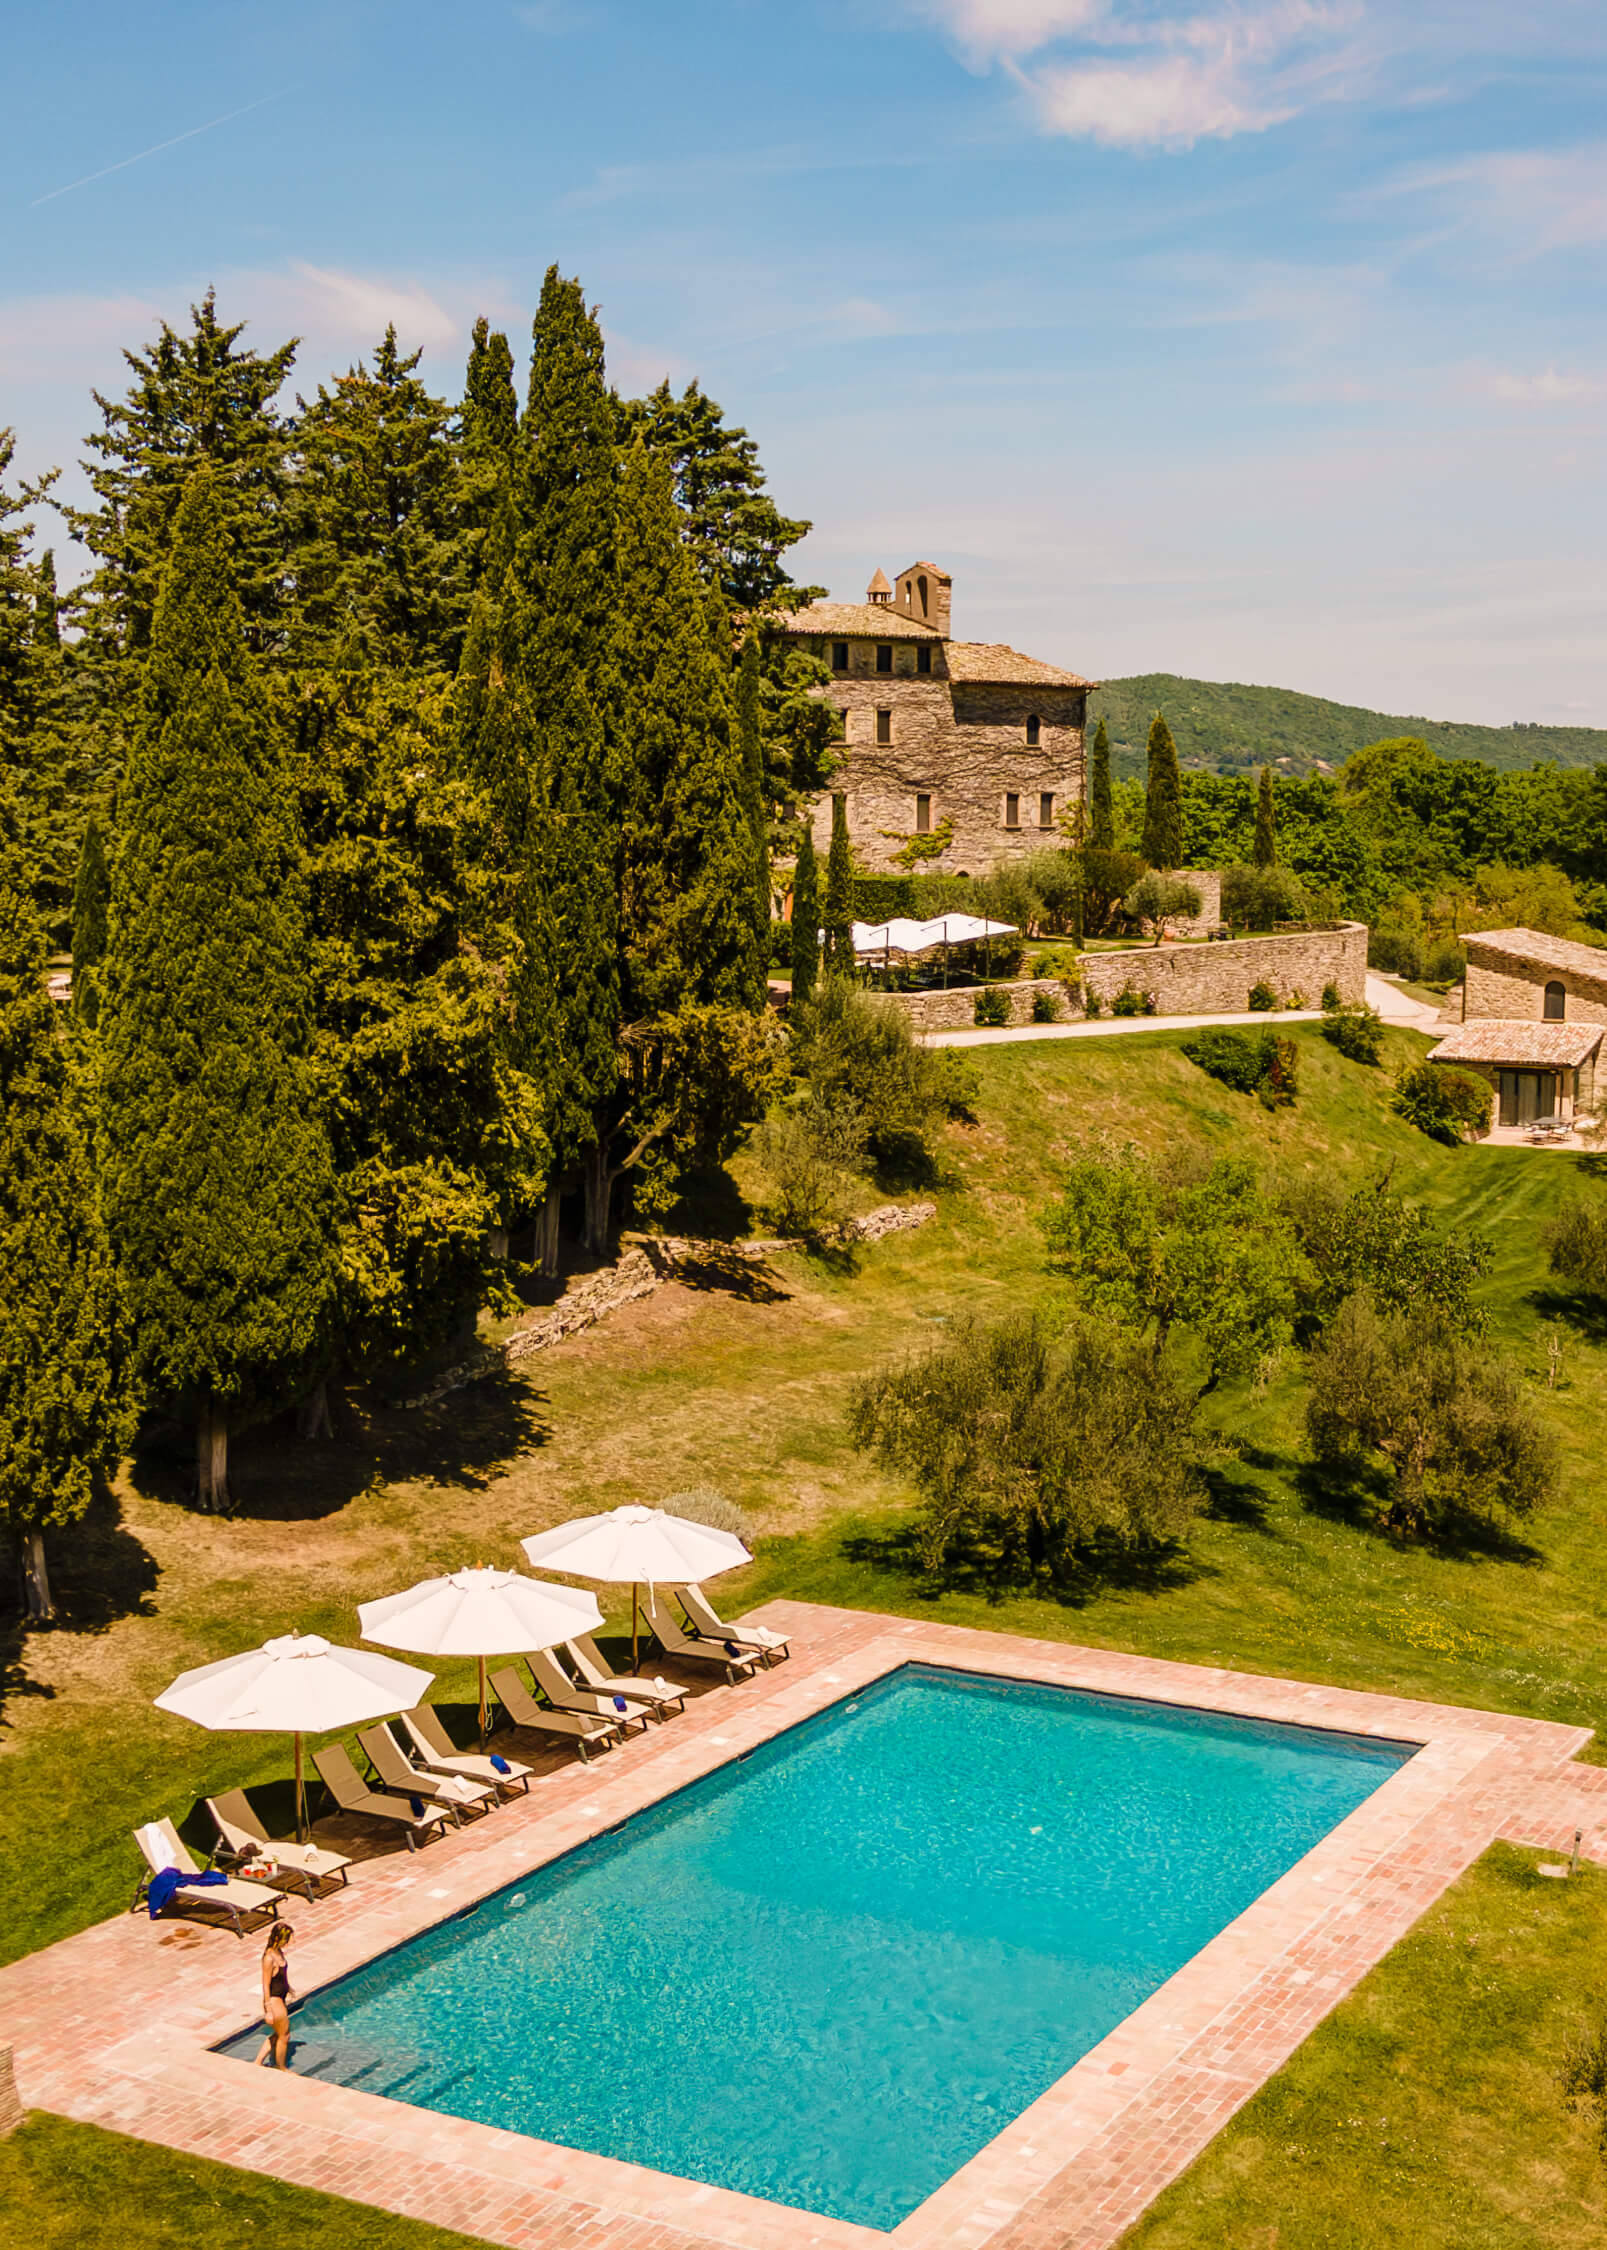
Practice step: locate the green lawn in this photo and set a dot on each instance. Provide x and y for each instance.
(1425, 2112)
(744, 1389)
(64, 2185)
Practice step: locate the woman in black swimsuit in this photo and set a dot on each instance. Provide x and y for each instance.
(276, 1996)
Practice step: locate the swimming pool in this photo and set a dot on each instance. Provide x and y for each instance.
(829, 1973)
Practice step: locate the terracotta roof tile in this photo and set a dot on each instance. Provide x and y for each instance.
(1555, 1046)
(869, 621)
(1551, 952)
(984, 662)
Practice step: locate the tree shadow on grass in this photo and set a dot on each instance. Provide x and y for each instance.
(468, 1439)
(723, 1272)
(99, 1573)
(1231, 1497)
(1359, 1494)
(983, 1574)
(1584, 1314)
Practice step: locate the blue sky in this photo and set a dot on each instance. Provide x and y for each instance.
(1262, 340)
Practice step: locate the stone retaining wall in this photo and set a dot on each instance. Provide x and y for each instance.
(1215, 980)
(956, 1010)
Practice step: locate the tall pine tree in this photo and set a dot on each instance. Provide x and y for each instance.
(216, 1173)
(839, 914)
(735, 530)
(1101, 816)
(1162, 846)
(64, 1407)
(805, 919)
(90, 894)
(1265, 850)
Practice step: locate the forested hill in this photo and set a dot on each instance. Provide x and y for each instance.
(1224, 727)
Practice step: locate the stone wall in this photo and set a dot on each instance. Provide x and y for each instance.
(1499, 986)
(956, 1010)
(964, 746)
(1207, 980)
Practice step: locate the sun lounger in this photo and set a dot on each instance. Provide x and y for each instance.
(353, 1795)
(592, 1676)
(395, 1772)
(562, 1693)
(162, 1851)
(775, 1648)
(736, 1662)
(242, 1839)
(586, 1733)
(433, 1749)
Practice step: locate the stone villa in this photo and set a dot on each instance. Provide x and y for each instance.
(1534, 1010)
(968, 739)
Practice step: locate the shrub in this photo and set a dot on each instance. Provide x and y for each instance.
(781, 945)
(1330, 996)
(1278, 1081)
(809, 1159)
(991, 1005)
(1262, 996)
(704, 1503)
(1584, 2076)
(1445, 962)
(1256, 898)
(1231, 1056)
(858, 1052)
(1576, 1241)
(1400, 952)
(1159, 899)
(1441, 1101)
(1358, 1033)
(1046, 1007)
(1296, 1001)
(1090, 1002)
(1131, 1002)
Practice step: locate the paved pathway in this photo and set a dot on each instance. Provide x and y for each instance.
(1394, 1005)
(114, 2026)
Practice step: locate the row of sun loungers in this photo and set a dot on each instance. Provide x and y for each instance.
(422, 1783)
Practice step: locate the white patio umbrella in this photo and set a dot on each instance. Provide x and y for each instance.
(479, 1613)
(637, 1547)
(300, 1684)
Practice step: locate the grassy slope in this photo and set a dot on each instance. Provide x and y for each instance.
(1227, 725)
(699, 1385)
(1426, 2112)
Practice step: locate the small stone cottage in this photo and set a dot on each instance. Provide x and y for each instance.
(969, 740)
(1534, 1012)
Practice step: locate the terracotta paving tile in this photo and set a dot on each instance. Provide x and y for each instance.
(1071, 2173)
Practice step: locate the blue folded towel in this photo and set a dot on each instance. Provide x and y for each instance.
(164, 1885)
(620, 1704)
(417, 1804)
(731, 1649)
(500, 1764)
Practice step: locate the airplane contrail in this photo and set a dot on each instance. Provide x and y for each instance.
(156, 149)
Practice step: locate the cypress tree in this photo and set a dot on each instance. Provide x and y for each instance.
(687, 920)
(1266, 835)
(1101, 818)
(1162, 847)
(488, 423)
(216, 1171)
(63, 1400)
(736, 532)
(805, 919)
(560, 616)
(90, 894)
(751, 735)
(839, 912)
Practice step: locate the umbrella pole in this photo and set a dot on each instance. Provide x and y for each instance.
(301, 1799)
(635, 1591)
(482, 1703)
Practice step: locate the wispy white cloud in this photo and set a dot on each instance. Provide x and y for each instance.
(1551, 386)
(1167, 73)
(1536, 200)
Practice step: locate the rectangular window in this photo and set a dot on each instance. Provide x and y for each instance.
(839, 656)
(1012, 810)
(842, 723)
(1046, 809)
(923, 816)
(923, 657)
(884, 726)
(1034, 731)
(884, 656)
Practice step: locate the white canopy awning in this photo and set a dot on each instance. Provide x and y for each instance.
(904, 936)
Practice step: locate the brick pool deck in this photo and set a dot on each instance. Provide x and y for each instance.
(113, 2026)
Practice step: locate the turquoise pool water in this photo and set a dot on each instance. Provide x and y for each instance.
(829, 1973)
